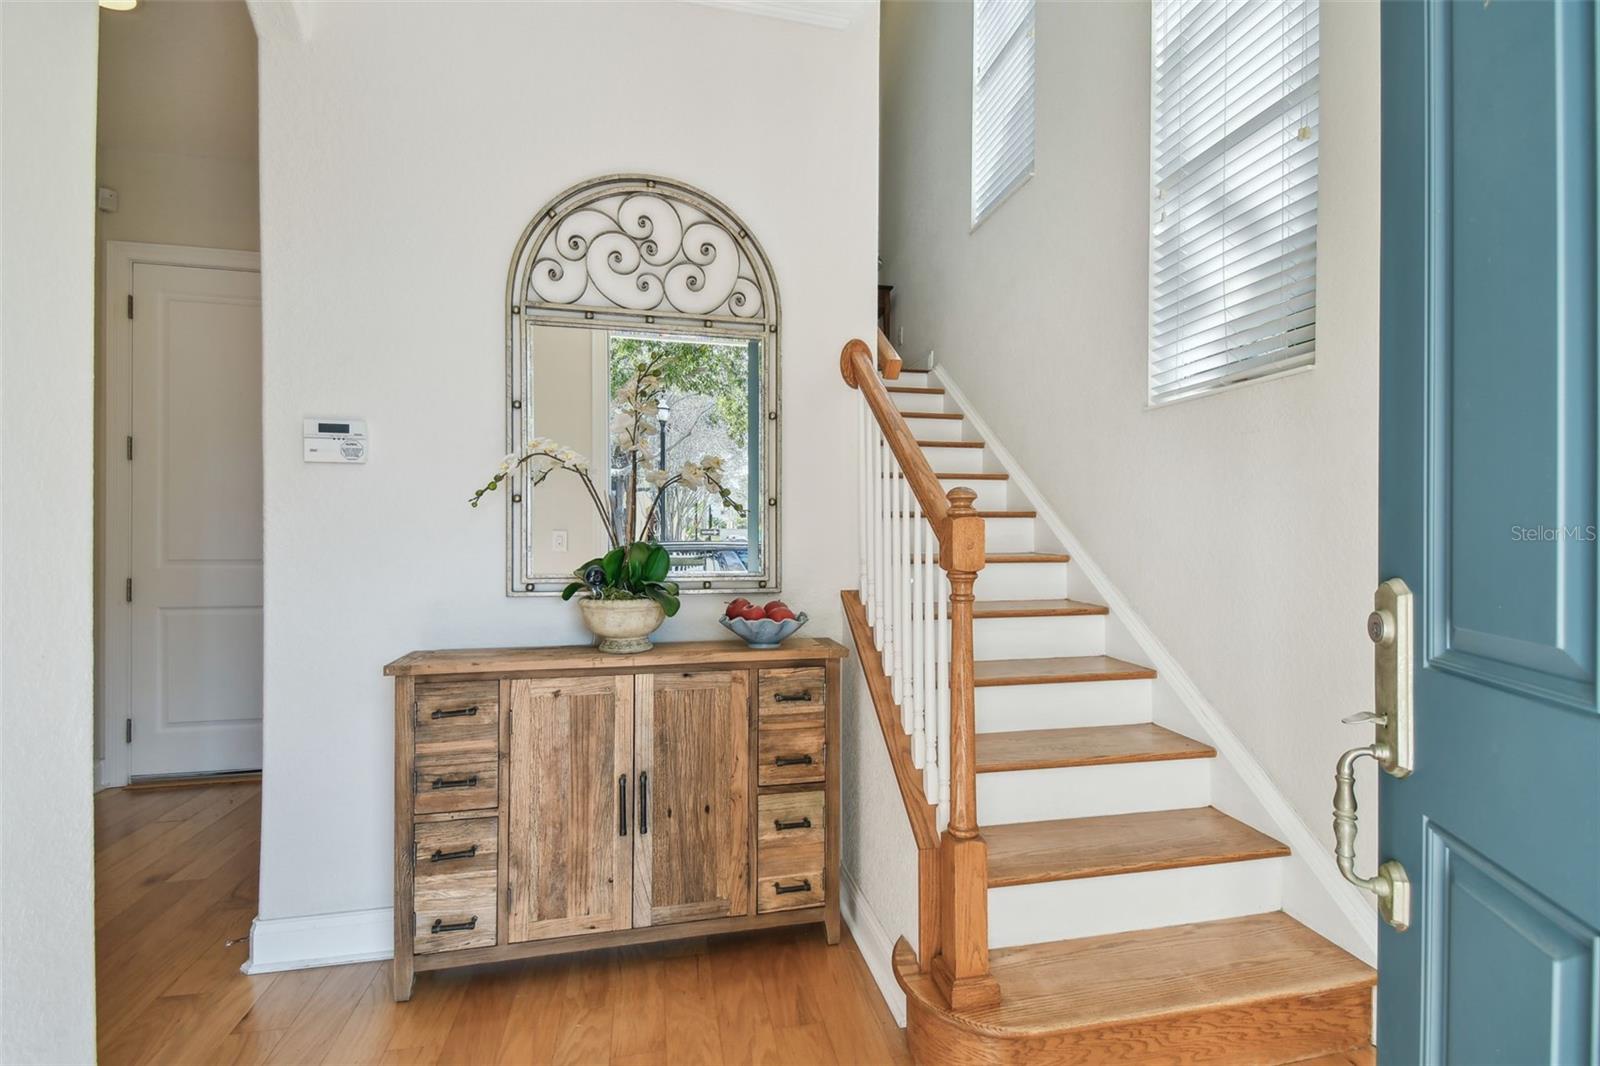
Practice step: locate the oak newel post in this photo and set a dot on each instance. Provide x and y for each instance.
(961, 970)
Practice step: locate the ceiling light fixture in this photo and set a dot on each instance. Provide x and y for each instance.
(119, 5)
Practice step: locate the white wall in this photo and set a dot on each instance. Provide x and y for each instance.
(47, 77)
(404, 147)
(176, 138)
(1242, 526)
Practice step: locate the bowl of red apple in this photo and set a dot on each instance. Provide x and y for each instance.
(762, 626)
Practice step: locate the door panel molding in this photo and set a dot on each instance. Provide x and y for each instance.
(113, 520)
(1540, 954)
(1528, 636)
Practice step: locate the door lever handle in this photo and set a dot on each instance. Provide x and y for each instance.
(1390, 884)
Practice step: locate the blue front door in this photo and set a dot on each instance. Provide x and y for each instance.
(1488, 512)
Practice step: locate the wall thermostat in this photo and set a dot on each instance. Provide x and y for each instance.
(335, 440)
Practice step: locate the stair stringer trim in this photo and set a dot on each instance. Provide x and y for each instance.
(1314, 892)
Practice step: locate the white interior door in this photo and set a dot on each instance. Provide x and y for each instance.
(195, 659)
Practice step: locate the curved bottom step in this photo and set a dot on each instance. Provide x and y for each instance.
(1260, 989)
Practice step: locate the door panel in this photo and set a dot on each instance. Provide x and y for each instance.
(195, 668)
(1488, 512)
(692, 751)
(569, 850)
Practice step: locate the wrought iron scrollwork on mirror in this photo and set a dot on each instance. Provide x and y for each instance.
(608, 269)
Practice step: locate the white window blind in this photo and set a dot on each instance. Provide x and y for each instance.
(1002, 101)
(1233, 259)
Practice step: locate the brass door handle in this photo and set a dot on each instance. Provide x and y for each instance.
(1392, 747)
(1390, 884)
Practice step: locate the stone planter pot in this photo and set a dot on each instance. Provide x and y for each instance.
(623, 626)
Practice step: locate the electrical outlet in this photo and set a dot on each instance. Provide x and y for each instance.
(558, 540)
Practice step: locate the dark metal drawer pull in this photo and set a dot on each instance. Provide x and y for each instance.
(786, 697)
(791, 760)
(644, 802)
(800, 823)
(459, 712)
(467, 926)
(784, 890)
(456, 782)
(446, 856)
(622, 805)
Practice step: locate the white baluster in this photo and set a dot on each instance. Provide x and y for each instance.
(896, 593)
(929, 632)
(862, 517)
(880, 506)
(943, 684)
(914, 633)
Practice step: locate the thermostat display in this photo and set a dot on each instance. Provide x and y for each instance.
(331, 440)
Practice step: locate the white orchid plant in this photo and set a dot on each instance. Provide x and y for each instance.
(636, 566)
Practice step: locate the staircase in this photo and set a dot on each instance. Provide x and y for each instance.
(1085, 901)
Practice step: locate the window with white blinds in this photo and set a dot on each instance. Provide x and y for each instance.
(1002, 101)
(1233, 258)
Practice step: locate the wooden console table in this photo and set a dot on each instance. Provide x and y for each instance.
(550, 800)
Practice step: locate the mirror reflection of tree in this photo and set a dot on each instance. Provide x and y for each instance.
(704, 410)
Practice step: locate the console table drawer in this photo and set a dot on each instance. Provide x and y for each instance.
(445, 783)
(791, 838)
(455, 881)
(791, 752)
(458, 718)
(794, 691)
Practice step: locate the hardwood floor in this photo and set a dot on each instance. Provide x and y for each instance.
(176, 875)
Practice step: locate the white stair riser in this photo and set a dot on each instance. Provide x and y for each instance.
(991, 494)
(917, 401)
(1091, 791)
(936, 428)
(917, 378)
(1035, 638)
(1008, 534)
(1021, 581)
(1095, 906)
(959, 460)
(1002, 708)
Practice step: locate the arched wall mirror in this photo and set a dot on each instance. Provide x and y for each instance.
(633, 276)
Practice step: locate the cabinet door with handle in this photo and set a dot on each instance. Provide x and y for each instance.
(569, 844)
(692, 755)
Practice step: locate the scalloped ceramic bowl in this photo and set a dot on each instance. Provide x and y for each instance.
(764, 633)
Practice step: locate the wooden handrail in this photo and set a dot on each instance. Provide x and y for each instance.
(960, 536)
(889, 361)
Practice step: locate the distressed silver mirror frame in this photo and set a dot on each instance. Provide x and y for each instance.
(640, 252)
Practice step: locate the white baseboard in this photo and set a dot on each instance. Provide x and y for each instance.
(873, 940)
(320, 940)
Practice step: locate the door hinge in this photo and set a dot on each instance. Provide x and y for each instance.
(127, 730)
(130, 448)
(127, 590)
(130, 305)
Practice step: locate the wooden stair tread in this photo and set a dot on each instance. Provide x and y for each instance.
(920, 390)
(1062, 849)
(1123, 979)
(1056, 670)
(1096, 745)
(1035, 608)
(931, 414)
(993, 558)
(949, 443)
(1008, 514)
(980, 475)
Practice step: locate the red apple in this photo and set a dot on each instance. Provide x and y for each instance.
(736, 606)
(752, 613)
(780, 614)
(775, 605)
